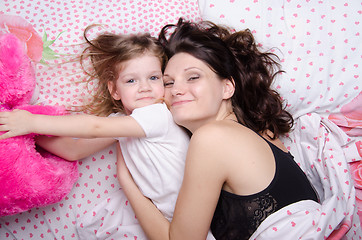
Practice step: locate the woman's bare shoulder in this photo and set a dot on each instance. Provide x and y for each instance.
(218, 134)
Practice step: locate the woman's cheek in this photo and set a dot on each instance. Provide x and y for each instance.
(167, 97)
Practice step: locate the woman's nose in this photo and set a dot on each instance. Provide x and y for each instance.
(177, 89)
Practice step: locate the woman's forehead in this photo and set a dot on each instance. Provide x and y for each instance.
(183, 62)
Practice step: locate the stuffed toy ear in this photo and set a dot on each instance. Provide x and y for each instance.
(17, 76)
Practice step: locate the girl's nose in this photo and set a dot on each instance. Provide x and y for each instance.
(144, 86)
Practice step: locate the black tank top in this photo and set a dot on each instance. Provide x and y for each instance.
(237, 217)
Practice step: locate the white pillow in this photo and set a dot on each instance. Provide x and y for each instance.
(319, 41)
(59, 85)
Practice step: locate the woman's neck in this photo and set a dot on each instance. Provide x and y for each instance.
(225, 114)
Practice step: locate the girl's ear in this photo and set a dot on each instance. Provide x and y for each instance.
(229, 88)
(113, 90)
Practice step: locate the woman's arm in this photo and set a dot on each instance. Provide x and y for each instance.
(21, 122)
(205, 173)
(73, 149)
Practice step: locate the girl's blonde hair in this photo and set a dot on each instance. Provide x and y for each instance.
(106, 54)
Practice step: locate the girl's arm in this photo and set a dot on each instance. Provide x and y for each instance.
(21, 122)
(73, 149)
(205, 173)
(154, 224)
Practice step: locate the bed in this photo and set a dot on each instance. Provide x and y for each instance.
(319, 44)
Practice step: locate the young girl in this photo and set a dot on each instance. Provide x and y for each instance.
(130, 90)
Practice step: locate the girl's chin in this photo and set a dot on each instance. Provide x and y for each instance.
(145, 103)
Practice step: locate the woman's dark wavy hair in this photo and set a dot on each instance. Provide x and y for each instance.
(235, 56)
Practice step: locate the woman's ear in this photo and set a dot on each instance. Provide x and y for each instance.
(113, 91)
(229, 88)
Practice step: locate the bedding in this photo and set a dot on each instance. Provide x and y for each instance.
(319, 44)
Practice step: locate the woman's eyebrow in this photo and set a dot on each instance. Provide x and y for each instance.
(185, 70)
(191, 68)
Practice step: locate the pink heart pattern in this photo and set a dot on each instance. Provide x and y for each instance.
(319, 44)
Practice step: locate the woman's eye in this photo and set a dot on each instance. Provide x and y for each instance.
(194, 78)
(168, 83)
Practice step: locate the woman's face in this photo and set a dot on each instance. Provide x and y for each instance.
(193, 91)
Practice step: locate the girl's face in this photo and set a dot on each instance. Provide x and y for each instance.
(194, 93)
(139, 83)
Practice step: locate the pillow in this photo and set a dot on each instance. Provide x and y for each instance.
(62, 84)
(318, 42)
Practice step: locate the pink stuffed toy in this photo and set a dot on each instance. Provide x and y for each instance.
(29, 177)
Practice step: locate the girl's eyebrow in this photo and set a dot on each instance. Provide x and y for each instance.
(135, 73)
(156, 71)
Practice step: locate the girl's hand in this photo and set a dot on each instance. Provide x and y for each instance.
(15, 123)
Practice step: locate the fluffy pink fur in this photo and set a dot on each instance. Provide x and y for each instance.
(29, 177)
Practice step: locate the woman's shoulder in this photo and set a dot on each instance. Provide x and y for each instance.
(219, 133)
(225, 146)
(208, 130)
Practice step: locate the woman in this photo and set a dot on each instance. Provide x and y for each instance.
(218, 86)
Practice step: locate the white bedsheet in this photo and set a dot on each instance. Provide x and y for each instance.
(320, 45)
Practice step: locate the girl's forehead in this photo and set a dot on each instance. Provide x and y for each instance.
(141, 59)
(141, 64)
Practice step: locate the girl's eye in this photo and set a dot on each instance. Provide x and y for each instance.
(154, 78)
(131, 81)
